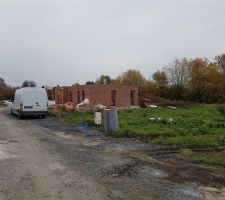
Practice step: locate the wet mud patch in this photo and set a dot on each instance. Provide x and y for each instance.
(145, 171)
(122, 168)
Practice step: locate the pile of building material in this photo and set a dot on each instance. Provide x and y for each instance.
(83, 103)
(69, 106)
(51, 103)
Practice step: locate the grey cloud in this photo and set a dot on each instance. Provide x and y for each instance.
(62, 42)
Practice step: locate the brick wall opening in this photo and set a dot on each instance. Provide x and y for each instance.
(132, 96)
(113, 97)
(71, 96)
(83, 95)
(78, 96)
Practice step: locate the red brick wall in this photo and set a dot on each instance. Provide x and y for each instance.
(61, 95)
(100, 94)
(58, 95)
(66, 94)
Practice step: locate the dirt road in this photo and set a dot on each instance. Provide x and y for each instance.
(48, 159)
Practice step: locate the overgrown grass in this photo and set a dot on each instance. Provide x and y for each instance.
(194, 126)
(198, 125)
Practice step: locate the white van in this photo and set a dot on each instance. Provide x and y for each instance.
(30, 101)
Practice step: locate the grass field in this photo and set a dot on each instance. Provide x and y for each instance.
(191, 128)
(199, 125)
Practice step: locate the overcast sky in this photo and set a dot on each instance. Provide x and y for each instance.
(66, 41)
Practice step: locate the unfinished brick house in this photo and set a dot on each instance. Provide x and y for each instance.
(108, 95)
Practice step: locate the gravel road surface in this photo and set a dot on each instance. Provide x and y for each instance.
(49, 159)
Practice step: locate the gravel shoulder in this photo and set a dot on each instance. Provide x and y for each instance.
(50, 159)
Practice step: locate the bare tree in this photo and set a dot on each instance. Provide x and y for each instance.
(220, 63)
(177, 73)
(50, 91)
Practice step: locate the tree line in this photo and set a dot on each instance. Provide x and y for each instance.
(196, 80)
(7, 92)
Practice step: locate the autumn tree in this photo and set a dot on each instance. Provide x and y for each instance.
(6, 92)
(198, 69)
(213, 88)
(159, 78)
(131, 77)
(220, 64)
